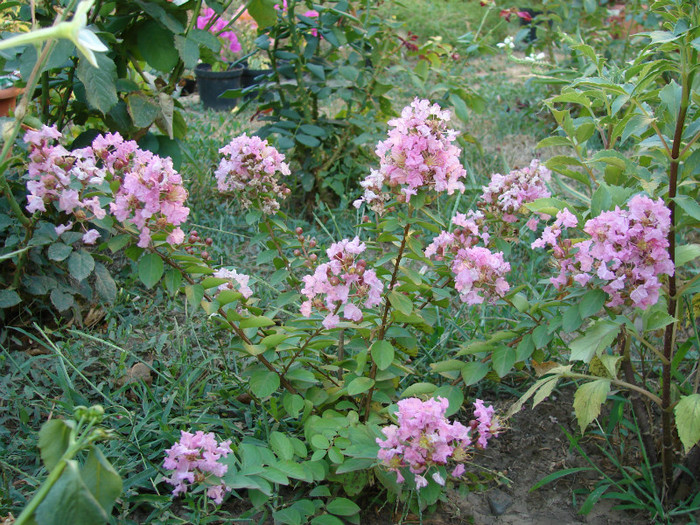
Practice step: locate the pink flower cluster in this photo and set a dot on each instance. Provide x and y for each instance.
(342, 279)
(150, 193)
(419, 153)
(219, 28)
(506, 194)
(425, 438)
(240, 280)
(251, 169)
(195, 459)
(627, 251)
(478, 272)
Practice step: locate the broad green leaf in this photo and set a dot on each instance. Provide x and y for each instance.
(326, 519)
(687, 413)
(264, 383)
(172, 280)
(9, 298)
(70, 502)
(548, 205)
(544, 391)
(150, 269)
(287, 516)
(281, 445)
(474, 372)
(588, 400)
(689, 206)
(61, 300)
(104, 283)
(382, 354)
(502, 360)
(80, 264)
(591, 302)
(256, 322)
(359, 385)
(157, 46)
(59, 251)
(596, 338)
(142, 109)
(54, 438)
(342, 507)
(194, 294)
(686, 253)
(402, 303)
(554, 141)
(101, 479)
(263, 12)
(99, 82)
(293, 404)
(419, 389)
(319, 441)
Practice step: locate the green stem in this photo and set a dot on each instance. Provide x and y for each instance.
(385, 314)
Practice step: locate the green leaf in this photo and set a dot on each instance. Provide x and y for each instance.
(454, 396)
(293, 404)
(588, 400)
(402, 303)
(287, 516)
(597, 337)
(264, 383)
(70, 502)
(172, 280)
(419, 389)
(554, 141)
(143, 109)
(156, 45)
(54, 438)
(61, 300)
(382, 354)
(342, 507)
(104, 283)
(101, 479)
(591, 302)
(150, 269)
(194, 294)
(307, 140)
(59, 251)
(263, 12)
(9, 298)
(80, 264)
(548, 205)
(687, 413)
(686, 253)
(256, 322)
(281, 445)
(571, 320)
(319, 441)
(689, 206)
(326, 519)
(556, 475)
(474, 372)
(99, 82)
(360, 385)
(503, 359)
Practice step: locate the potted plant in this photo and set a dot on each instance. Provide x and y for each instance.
(8, 93)
(222, 72)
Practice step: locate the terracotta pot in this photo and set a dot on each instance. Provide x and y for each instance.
(8, 99)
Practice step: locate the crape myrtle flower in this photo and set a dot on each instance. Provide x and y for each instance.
(424, 438)
(194, 459)
(625, 254)
(251, 170)
(344, 282)
(149, 195)
(418, 154)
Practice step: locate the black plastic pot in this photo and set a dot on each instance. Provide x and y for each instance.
(254, 77)
(212, 84)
